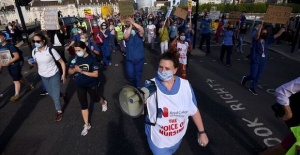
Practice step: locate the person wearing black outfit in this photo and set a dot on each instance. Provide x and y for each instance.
(85, 68)
(57, 38)
(241, 34)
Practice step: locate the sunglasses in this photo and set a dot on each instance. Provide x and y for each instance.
(36, 41)
(264, 33)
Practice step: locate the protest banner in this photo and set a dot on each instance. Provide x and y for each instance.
(126, 8)
(190, 6)
(181, 13)
(214, 15)
(88, 13)
(49, 18)
(277, 14)
(106, 11)
(233, 17)
(169, 12)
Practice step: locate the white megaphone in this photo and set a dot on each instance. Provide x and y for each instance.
(131, 99)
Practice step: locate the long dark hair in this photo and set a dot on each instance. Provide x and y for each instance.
(82, 45)
(43, 38)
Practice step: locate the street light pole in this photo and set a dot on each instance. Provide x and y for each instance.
(195, 22)
(17, 3)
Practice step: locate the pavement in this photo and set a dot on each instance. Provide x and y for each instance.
(236, 121)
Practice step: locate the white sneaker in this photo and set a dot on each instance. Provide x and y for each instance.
(85, 129)
(104, 106)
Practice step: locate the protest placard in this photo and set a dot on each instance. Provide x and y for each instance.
(214, 15)
(169, 12)
(5, 56)
(49, 18)
(235, 15)
(126, 8)
(181, 13)
(88, 13)
(190, 5)
(277, 14)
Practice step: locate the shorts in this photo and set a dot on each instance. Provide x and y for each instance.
(15, 71)
(288, 141)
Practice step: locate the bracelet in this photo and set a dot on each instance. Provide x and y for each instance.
(200, 132)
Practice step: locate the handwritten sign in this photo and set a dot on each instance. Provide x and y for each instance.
(5, 56)
(277, 14)
(235, 15)
(49, 18)
(106, 11)
(214, 15)
(181, 13)
(126, 8)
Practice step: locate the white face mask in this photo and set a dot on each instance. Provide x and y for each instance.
(79, 32)
(94, 24)
(80, 54)
(83, 40)
(38, 45)
(0, 41)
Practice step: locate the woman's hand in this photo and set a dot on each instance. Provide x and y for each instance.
(203, 140)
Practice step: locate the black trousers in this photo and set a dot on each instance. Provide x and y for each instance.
(228, 50)
(82, 95)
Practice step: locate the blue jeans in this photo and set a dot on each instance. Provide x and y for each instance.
(52, 85)
(106, 54)
(162, 151)
(240, 44)
(256, 71)
(134, 70)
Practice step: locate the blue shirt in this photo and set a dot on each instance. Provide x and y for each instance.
(227, 40)
(259, 48)
(96, 48)
(106, 40)
(87, 64)
(206, 25)
(76, 37)
(135, 47)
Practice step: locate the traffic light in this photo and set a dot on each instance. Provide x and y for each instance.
(23, 2)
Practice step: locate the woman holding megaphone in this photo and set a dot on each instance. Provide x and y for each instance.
(169, 108)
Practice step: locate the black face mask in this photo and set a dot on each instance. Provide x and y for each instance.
(263, 36)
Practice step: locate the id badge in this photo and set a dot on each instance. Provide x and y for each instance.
(263, 55)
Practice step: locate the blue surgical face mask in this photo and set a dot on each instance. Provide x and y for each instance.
(80, 54)
(165, 76)
(182, 38)
(38, 45)
(133, 32)
(0, 41)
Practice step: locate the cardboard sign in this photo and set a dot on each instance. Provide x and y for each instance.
(126, 8)
(277, 14)
(214, 15)
(181, 13)
(49, 18)
(235, 15)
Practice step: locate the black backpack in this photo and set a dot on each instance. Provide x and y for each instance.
(56, 62)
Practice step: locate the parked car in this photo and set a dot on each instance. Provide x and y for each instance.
(68, 24)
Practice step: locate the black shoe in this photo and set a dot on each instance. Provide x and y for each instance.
(243, 82)
(252, 91)
(44, 93)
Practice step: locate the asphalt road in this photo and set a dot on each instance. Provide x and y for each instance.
(236, 121)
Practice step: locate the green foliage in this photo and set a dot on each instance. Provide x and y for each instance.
(248, 8)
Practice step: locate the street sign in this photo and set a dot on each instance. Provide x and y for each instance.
(190, 6)
(88, 13)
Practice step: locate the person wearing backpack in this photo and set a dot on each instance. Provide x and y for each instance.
(14, 65)
(49, 61)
